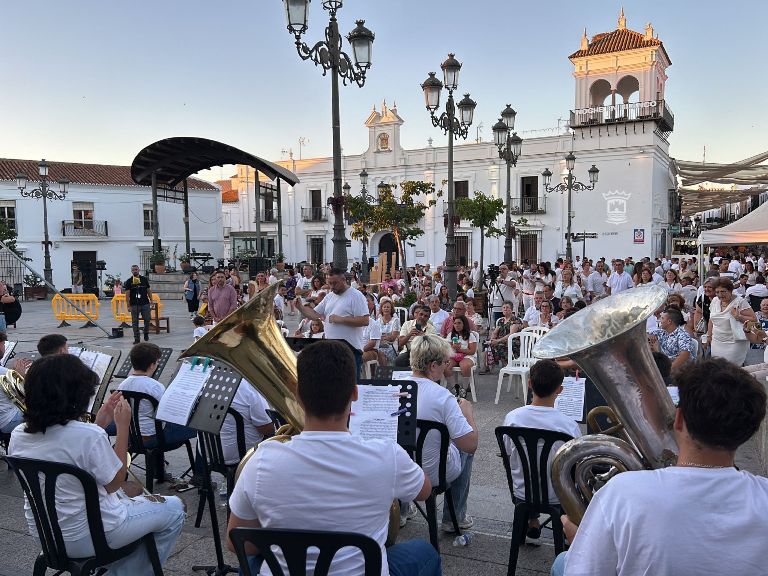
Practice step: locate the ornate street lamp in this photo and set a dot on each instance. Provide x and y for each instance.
(329, 56)
(569, 184)
(510, 146)
(45, 192)
(455, 127)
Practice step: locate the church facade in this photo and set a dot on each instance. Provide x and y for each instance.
(620, 123)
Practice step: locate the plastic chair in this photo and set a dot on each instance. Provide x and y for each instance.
(33, 474)
(294, 545)
(369, 369)
(519, 366)
(442, 486)
(403, 313)
(540, 330)
(534, 462)
(153, 457)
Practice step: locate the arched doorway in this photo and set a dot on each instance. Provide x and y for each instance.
(388, 244)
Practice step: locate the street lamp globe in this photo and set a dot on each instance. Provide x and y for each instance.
(508, 116)
(296, 12)
(63, 184)
(517, 145)
(466, 110)
(450, 70)
(21, 181)
(361, 40)
(500, 132)
(593, 174)
(382, 189)
(364, 178)
(43, 167)
(432, 88)
(346, 188)
(547, 174)
(570, 161)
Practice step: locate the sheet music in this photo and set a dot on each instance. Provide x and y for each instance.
(372, 412)
(9, 346)
(402, 375)
(674, 393)
(182, 393)
(74, 350)
(96, 361)
(570, 402)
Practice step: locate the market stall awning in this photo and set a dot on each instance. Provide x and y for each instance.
(750, 229)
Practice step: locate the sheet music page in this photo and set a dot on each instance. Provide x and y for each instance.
(402, 375)
(87, 357)
(570, 402)
(180, 397)
(674, 393)
(74, 350)
(372, 412)
(9, 346)
(101, 364)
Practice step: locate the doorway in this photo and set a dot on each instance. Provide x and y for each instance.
(86, 261)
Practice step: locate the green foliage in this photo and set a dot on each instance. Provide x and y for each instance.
(407, 300)
(8, 236)
(481, 211)
(109, 282)
(32, 280)
(158, 258)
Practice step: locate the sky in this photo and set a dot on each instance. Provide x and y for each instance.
(94, 81)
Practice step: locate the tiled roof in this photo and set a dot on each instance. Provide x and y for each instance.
(617, 41)
(93, 174)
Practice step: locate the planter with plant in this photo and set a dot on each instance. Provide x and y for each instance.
(158, 260)
(185, 261)
(109, 282)
(34, 287)
(280, 261)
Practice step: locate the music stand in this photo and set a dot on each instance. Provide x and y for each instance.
(406, 422)
(297, 344)
(9, 347)
(106, 377)
(126, 366)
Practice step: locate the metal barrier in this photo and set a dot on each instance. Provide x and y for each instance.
(122, 313)
(65, 309)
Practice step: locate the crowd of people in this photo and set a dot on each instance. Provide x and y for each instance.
(704, 331)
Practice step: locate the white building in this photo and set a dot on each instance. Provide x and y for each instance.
(620, 123)
(105, 216)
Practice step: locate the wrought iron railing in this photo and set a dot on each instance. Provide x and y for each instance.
(267, 215)
(314, 214)
(657, 110)
(87, 228)
(528, 205)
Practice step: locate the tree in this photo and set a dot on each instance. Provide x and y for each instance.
(400, 216)
(481, 211)
(8, 236)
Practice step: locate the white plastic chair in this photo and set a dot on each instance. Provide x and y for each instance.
(540, 330)
(368, 371)
(521, 365)
(403, 313)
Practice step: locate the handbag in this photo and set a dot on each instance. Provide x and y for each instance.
(737, 326)
(701, 325)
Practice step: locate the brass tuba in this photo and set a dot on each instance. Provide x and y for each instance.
(12, 384)
(608, 341)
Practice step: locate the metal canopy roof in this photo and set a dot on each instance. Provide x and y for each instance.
(175, 159)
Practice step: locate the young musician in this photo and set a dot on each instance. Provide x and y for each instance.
(327, 479)
(58, 389)
(52, 344)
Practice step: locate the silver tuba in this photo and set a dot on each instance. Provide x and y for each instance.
(608, 341)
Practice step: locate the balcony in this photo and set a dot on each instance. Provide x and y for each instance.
(656, 110)
(267, 216)
(84, 228)
(528, 205)
(314, 214)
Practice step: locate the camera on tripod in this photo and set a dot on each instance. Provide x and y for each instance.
(493, 272)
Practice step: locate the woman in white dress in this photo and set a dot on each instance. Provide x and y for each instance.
(390, 330)
(670, 281)
(464, 346)
(727, 314)
(568, 286)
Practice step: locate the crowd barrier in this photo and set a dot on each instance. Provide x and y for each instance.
(122, 313)
(63, 310)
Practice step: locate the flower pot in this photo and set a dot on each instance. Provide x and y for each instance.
(185, 266)
(35, 292)
(159, 268)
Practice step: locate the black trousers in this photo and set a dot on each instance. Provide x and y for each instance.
(144, 310)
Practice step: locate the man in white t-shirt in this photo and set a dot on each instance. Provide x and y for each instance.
(344, 312)
(597, 282)
(529, 285)
(506, 290)
(702, 516)
(438, 315)
(272, 277)
(304, 283)
(257, 424)
(532, 313)
(619, 280)
(337, 481)
(546, 382)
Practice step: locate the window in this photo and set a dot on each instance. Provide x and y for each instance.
(315, 249)
(316, 198)
(461, 189)
(529, 186)
(82, 215)
(8, 213)
(462, 249)
(148, 219)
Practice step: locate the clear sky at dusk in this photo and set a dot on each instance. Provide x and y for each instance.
(96, 81)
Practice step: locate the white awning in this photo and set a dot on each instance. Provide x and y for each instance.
(750, 229)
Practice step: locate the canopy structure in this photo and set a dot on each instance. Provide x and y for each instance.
(750, 229)
(167, 163)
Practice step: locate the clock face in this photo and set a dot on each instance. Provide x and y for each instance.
(383, 141)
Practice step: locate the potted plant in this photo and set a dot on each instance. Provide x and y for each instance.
(158, 262)
(280, 261)
(34, 287)
(110, 282)
(184, 261)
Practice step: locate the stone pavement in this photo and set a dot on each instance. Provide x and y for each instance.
(489, 500)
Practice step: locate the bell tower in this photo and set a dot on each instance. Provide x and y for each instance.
(384, 131)
(619, 67)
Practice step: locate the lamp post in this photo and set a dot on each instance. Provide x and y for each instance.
(455, 128)
(46, 193)
(510, 145)
(370, 201)
(328, 55)
(570, 184)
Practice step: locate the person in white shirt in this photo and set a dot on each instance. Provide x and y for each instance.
(200, 328)
(506, 290)
(735, 267)
(681, 520)
(546, 381)
(304, 284)
(759, 290)
(463, 342)
(619, 280)
(58, 389)
(544, 316)
(337, 481)
(533, 312)
(257, 424)
(670, 281)
(567, 286)
(429, 355)
(529, 285)
(597, 283)
(344, 313)
(272, 277)
(279, 299)
(411, 330)
(438, 315)
(371, 333)
(761, 264)
(475, 274)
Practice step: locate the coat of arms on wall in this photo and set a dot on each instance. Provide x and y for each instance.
(616, 206)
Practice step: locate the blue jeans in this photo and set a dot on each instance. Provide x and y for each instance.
(460, 490)
(164, 520)
(175, 435)
(3, 325)
(412, 558)
(558, 566)
(17, 419)
(358, 362)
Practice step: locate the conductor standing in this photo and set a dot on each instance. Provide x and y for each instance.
(138, 295)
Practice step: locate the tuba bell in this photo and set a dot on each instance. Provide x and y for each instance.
(12, 384)
(608, 341)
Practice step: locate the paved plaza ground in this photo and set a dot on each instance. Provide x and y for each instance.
(489, 500)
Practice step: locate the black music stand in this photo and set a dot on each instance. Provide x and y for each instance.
(406, 422)
(165, 356)
(101, 391)
(208, 416)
